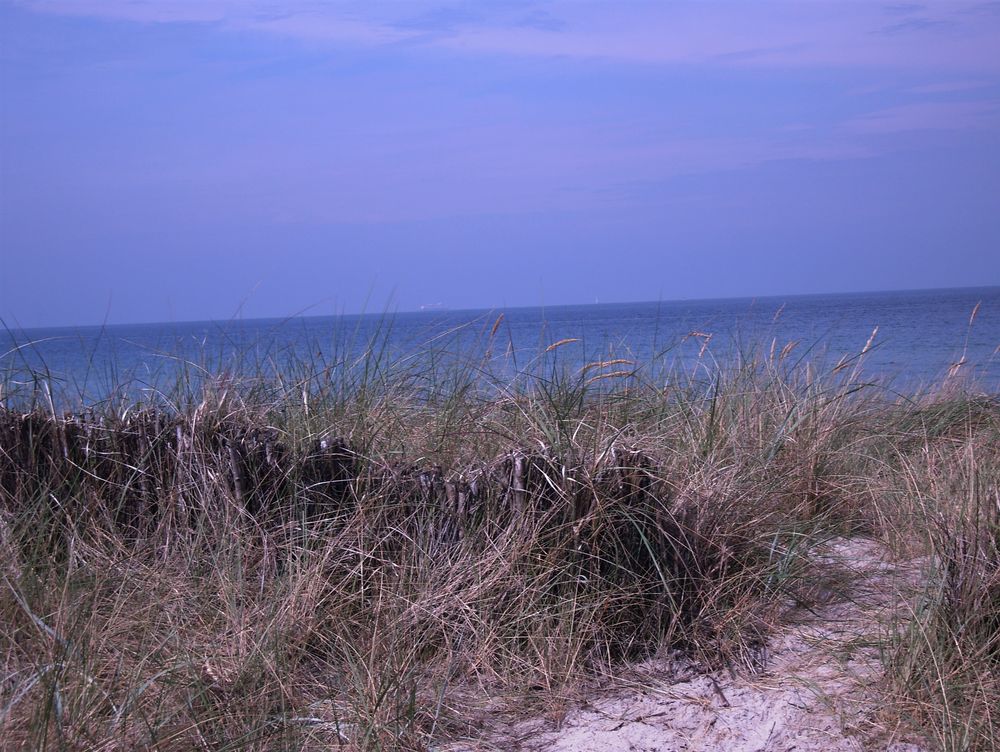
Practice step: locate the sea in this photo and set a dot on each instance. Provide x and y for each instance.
(904, 340)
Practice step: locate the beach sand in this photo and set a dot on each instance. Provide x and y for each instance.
(814, 693)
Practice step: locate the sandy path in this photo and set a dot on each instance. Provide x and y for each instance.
(813, 695)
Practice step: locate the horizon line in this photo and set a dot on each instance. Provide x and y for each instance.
(502, 309)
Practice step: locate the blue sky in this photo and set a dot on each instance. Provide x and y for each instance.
(174, 159)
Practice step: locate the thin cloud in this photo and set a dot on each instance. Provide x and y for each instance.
(923, 116)
(914, 25)
(737, 34)
(903, 8)
(948, 87)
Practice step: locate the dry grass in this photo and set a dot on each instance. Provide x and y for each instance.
(312, 564)
(943, 651)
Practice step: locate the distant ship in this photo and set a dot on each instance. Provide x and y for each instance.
(433, 307)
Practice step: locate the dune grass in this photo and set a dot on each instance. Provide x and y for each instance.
(365, 555)
(943, 650)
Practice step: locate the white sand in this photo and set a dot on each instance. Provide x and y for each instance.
(813, 696)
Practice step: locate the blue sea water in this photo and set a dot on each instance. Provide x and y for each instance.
(920, 336)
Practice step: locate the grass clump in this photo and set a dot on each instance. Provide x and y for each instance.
(943, 656)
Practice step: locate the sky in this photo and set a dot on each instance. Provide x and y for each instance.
(170, 160)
